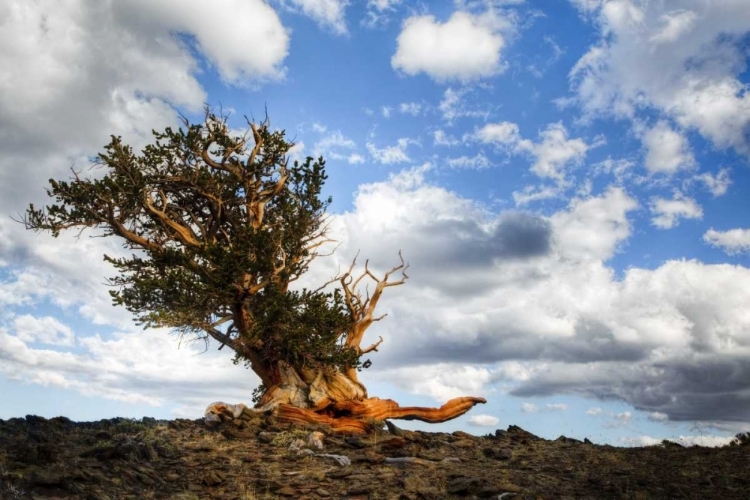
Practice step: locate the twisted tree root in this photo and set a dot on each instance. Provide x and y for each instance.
(354, 417)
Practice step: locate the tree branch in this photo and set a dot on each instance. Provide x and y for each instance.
(373, 347)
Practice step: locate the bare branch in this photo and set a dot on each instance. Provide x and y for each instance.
(373, 347)
(362, 310)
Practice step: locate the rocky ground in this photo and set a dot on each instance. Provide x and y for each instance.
(254, 458)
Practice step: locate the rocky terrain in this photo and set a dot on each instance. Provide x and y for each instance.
(255, 458)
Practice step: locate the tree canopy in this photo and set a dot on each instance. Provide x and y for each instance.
(221, 229)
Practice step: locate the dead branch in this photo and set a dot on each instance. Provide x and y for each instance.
(362, 308)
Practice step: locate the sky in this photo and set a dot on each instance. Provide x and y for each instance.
(564, 178)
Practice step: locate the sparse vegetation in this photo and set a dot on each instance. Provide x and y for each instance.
(250, 459)
(741, 439)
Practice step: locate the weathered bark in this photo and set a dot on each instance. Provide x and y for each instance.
(356, 417)
(334, 397)
(339, 401)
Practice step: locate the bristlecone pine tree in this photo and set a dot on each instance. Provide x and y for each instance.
(222, 226)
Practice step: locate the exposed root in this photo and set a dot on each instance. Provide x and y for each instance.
(355, 417)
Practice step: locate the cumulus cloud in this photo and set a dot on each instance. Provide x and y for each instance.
(556, 406)
(442, 381)
(391, 154)
(453, 105)
(554, 152)
(684, 63)
(483, 421)
(536, 291)
(442, 139)
(251, 23)
(329, 14)
(464, 48)
(45, 330)
(717, 184)
(668, 212)
(379, 12)
(733, 241)
(658, 416)
(667, 151)
(336, 146)
(552, 155)
(134, 367)
(128, 86)
(529, 194)
(412, 108)
(529, 408)
(503, 133)
(476, 162)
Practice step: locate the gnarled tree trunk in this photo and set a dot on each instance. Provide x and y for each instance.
(338, 400)
(335, 397)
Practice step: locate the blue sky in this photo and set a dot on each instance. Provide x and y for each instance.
(567, 180)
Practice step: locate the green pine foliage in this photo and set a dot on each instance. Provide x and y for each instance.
(219, 226)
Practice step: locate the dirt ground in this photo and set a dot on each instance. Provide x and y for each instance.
(255, 458)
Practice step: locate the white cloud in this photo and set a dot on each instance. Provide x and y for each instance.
(452, 106)
(251, 23)
(640, 441)
(443, 139)
(46, 330)
(733, 241)
(621, 168)
(668, 212)
(555, 152)
(667, 151)
(336, 146)
(391, 154)
(707, 441)
(464, 48)
(385, 111)
(658, 416)
(503, 133)
(355, 159)
(379, 12)
(138, 367)
(717, 184)
(552, 303)
(529, 408)
(624, 417)
(296, 153)
(531, 194)
(594, 411)
(382, 4)
(329, 14)
(476, 162)
(556, 406)
(439, 381)
(593, 227)
(127, 86)
(683, 63)
(483, 420)
(412, 108)
(552, 155)
(674, 25)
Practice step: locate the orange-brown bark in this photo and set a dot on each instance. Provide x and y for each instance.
(354, 417)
